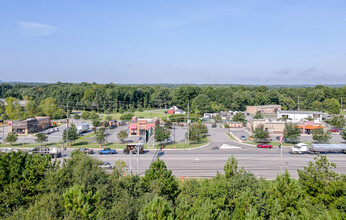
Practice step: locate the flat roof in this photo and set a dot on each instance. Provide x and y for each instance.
(299, 112)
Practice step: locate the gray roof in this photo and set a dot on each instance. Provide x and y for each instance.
(300, 112)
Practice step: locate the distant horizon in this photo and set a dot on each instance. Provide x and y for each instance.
(164, 83)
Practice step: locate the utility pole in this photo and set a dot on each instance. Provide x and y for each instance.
(130, 161)
(138, 148)
(188, 122)
(298, 103)
(67, 138)
(341, 105)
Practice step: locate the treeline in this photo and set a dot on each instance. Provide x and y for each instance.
(120, 98)
(34, 187)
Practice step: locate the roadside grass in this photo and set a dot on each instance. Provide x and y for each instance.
(230, 136)
(180, 145)
(160, 113)
(271, 143)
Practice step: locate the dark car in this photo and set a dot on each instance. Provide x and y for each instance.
(112, 126)
(86, 150)
(278, 138)
(264, 145)
(213, 125)
(133, 147)
(107, 151)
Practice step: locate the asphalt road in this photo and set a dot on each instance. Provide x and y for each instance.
(206, 162)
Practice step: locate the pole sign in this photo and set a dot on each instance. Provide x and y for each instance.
(281, 137)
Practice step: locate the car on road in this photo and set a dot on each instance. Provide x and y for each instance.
(214, 125)
(243, 138)
(105, 165)
(264, 145)
(251, 138)
(215, 148)
(278, 138)
(334, 130)
(107, 151)
(86, 150)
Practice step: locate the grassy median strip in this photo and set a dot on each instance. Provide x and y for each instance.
(271, 143)
(229, 135)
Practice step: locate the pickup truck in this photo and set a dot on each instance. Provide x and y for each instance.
(107, 151)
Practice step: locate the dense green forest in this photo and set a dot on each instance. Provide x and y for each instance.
(35, 187)
(120, 98)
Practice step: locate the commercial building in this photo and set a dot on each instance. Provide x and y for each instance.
(277, 127)
(297, 116)
(264, 109)
(139, 127)
(30, 125)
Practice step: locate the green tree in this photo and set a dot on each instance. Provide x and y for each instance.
(85, 115)
(80, 204)
(197, 131)
(72, 133)
(11, 137)
(100, 136)
(161, 134)
(94, 116)
(76, 116)
(239, 117)
(30, 108)
(332, 106)
(109, 118)
(343, 135)
(10, 102)
(258, 115)
(122, 135)
(231, 167)
(261, 133)
(337, 121)
(321, 183)
(21, 179)
(158, 179)
(320, 135)
(126, 116)
(202, 104)
(96, 124)
(158, 208)
(168, 124)
(40, 138)
(120, 169)
(49, 106)
(291, 132)
(217, 118)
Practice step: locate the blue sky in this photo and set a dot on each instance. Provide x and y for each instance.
(242, 42)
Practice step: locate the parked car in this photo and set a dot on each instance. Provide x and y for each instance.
(213, 125)
(277, 138)
(112, 126)
(243, 138)
(334, 130)
(264, 145)
(251, 138)
(105, 165)
(86, 150)
(107, 151)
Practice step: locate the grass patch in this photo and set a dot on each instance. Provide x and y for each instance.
(230, 136)
(180, 145)
(271, 143)
(160, 113)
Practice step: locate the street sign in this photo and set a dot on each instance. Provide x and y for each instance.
(281, 137)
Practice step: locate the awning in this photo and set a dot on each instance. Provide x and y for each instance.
(133, 127)
(312, 127)
(150, 126)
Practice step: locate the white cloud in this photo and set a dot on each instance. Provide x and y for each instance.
(36, 29)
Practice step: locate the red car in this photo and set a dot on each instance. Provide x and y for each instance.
(334, 130)
(264, 146)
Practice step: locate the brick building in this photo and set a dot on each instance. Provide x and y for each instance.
(264, 109)
(138, 127)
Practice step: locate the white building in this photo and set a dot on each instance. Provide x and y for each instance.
(296, 116)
